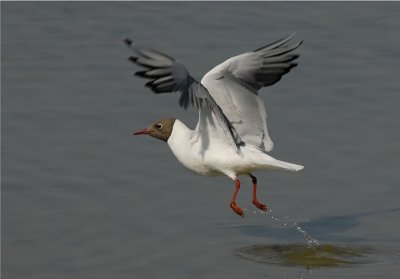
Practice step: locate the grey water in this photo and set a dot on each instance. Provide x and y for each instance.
(83, 198)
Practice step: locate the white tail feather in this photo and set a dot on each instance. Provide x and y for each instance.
(277, 164)
(292, 167)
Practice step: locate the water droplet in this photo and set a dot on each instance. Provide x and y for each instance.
(286, 223)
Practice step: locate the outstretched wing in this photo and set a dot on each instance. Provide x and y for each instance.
(234, 85)
(166, 76)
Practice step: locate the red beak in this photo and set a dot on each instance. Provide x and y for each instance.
(142, 132)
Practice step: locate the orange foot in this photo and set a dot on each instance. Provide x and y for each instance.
(237, 209)
(260, 205)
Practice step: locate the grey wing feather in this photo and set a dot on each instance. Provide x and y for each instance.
(234, 84)
(266, 66)
(242, 107)
(166, 76)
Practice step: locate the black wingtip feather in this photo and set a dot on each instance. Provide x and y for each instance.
(141, 74)
(133, 59)
(128, 42)
(149, 84)
(295, 56)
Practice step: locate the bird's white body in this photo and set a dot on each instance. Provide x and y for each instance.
(215, 157)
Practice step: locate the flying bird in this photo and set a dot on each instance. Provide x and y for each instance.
(231, 136)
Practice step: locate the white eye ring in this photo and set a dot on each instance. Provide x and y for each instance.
(159, 126)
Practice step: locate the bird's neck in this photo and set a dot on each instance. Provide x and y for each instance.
(180, 142)
(180, 135)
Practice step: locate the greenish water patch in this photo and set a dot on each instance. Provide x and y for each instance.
(324, 255)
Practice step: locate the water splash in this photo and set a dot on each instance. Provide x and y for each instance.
(287, 223)
(311, 241)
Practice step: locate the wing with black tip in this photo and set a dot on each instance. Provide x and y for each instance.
(166, 75)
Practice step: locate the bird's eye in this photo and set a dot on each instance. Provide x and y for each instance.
(159, 126)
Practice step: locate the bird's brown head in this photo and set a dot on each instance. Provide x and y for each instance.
(161, 129)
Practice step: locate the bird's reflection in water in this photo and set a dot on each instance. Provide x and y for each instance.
(324, 255)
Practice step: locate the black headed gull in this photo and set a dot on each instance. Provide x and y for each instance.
(231, 136)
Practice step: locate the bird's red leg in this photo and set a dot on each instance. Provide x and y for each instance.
(255, 200)
(233, 204)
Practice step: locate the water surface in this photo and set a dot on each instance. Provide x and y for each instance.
(83, 198)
